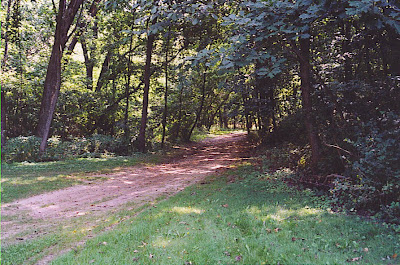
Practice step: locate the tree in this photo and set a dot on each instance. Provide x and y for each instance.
(52, 84)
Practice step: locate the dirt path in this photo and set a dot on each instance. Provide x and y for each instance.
(135, 184)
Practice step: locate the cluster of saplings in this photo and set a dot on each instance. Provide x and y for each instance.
(99, 78)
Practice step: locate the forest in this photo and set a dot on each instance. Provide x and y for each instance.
(116, 77)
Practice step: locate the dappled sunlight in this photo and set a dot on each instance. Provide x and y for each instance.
(161, 242)
(123, 183)
(308, 211)
(281, 214)
(187, 210)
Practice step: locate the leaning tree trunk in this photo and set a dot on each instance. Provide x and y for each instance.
(305, 76)
(52, 82)
(146, 80)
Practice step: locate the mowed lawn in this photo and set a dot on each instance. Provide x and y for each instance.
(21, 180)
(240, 217)
(243, 217)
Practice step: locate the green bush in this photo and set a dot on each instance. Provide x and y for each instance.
(27, 148)
(374, 179)
(22, 148)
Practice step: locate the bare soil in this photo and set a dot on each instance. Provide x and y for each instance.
(37, 215)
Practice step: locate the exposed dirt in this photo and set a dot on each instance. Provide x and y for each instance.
(137, 184)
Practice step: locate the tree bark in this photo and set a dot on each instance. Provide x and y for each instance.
(88, 64)
(127, 89)
(203, 96)
(306, 90)
(5, 35)
(52, 82)
(146, 80)
(346, 51)
(164, 121)
(3, 66)
(3, 118)
(104, 69)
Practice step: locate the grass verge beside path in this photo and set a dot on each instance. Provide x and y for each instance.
(253, 218)
(21, 180)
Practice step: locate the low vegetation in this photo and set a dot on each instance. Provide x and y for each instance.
(255, 218)
(24, 179)
(249, 215)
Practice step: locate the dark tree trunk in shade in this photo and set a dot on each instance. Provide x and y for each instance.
(52, 83)
(306, 91)
(141, 141)
(3, 118)
(164, 121)
(104, 69)
(203, 96)
(88, 64)
(3, 67)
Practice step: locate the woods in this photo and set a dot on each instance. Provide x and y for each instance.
(136, 76)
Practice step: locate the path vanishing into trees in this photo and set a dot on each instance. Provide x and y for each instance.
(38, 215)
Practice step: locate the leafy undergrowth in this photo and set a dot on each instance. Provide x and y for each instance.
(246, 218)
(24, 179)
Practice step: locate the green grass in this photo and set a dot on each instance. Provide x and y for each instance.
(28, 250)
(255, 220)
(21, 180)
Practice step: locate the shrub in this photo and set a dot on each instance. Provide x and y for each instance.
(374, 179)
(27, 148)
(22, 148)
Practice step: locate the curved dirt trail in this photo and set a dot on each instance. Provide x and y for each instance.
(137, 184)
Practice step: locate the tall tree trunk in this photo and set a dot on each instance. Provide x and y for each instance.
(306, 90)
(88, 64)
(246, 113)
(178, 126)
(146, 80)
(3, 66)
(203, 96)
(5, 35)
(164, 121)
(3, 118)
(346, 51)
(52, 82)
(104, 69)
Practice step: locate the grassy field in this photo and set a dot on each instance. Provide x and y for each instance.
(21, 180)
(244, 217)
(241, 217)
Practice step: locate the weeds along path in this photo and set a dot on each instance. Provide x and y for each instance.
(32, 217)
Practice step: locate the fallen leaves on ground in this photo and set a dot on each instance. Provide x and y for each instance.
(354, 259)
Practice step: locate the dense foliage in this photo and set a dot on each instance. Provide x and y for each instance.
(323, 75)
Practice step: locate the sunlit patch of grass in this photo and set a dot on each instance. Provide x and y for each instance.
(21, 180)
(187, 210)
(63, 236)
(241, 222)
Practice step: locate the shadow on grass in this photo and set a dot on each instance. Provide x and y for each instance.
(255, 219)
(21, 180)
